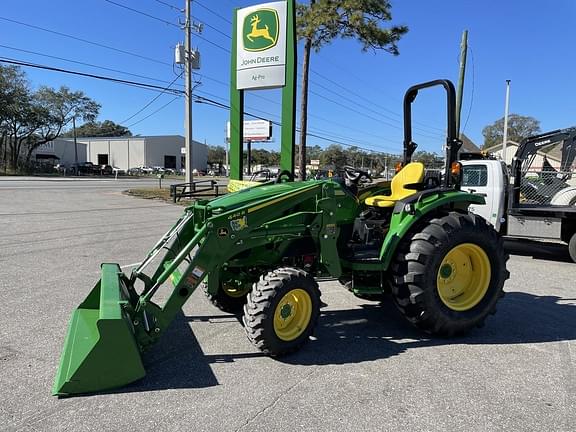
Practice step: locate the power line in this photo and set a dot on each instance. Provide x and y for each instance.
(213, 12)
(369, 101)
(171, 6)
(176, 92)
(84, 41)
(203, 22)
(83, 63)
(425, 132)
(148, 58)
(215, 29)
(152, 87)
(143, 13)
(100, 77)
(339, 136)
(398, 124)
(151, 101)
(256, 95)
(153, 112)
(202, 99)
(317, 73)
(165, 22)
(363, 114)
(371, 84)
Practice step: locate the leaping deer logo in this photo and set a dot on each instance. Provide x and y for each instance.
(259, 32)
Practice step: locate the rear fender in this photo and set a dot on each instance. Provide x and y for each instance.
(417, 207)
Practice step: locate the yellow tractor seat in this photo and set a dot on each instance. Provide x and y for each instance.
(402, 186)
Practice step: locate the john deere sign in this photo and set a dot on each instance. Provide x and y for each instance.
(261, 47)
(260, 30)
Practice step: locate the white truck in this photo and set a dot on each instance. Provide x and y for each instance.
(536, 197)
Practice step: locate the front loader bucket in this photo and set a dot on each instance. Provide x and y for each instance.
(100, 350)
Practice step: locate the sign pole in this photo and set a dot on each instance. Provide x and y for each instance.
(236, 113)
(248, 159)
(288, 133)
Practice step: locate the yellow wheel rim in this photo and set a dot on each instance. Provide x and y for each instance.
(292, 314)
(236, 290)
(463, 277)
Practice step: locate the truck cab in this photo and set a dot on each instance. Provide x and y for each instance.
(533, 198)
(487, 178)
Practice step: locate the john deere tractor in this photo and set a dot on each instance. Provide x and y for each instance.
(260, 251)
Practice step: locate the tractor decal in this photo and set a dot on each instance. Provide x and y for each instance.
(239, 224)
(260, 30)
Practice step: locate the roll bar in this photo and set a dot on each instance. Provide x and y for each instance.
(453, 143)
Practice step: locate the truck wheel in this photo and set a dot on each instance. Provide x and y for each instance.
(231, 296)
(282, 310)
(572, 247)
(449, 276)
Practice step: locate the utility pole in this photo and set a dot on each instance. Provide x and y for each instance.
(188, 90)
(75, 142)
(506, 108)
(460, 92)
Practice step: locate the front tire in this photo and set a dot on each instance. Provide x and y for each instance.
(448, 277)
(282, 310)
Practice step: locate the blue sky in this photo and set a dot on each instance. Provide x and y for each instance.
(527, 42)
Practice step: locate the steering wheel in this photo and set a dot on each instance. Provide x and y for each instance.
(285, 173)
(354, 175)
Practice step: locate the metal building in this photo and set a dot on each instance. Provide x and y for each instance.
(165, 151)
(60, 151)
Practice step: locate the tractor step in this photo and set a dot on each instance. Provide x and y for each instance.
(364, 253)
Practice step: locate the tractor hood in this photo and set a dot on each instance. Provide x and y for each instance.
(257, 193)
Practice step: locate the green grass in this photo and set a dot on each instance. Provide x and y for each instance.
(164, 195)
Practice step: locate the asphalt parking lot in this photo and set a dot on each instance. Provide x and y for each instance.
(366, 370)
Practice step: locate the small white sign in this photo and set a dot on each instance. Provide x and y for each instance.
(254, 130)
(46, 148)
(261, 46)
(315, 162)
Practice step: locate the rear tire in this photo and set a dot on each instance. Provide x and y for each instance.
(282, 310)
(229, 299)
(448, 276)
(572, 247)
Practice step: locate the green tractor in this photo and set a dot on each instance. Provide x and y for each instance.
(260, 251)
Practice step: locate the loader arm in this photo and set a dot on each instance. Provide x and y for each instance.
(119, 318)
(226, 234)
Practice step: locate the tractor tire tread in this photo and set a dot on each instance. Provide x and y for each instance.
(413, 264)
(258, 310)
